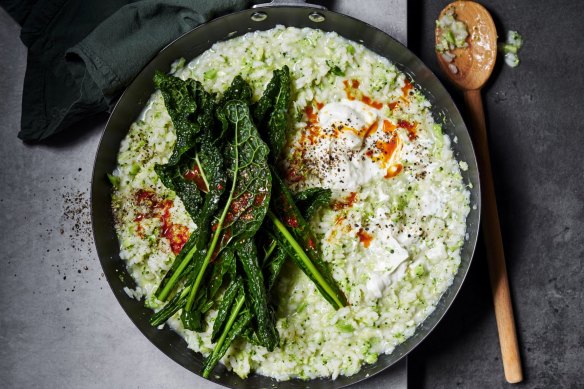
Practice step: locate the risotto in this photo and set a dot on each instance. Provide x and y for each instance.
(393, 231)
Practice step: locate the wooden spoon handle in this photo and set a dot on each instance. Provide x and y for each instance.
(494, 242)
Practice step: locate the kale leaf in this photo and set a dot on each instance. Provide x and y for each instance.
(190, 108)
(258, 300)
(271, 111)
(238, 90)
(310, 201)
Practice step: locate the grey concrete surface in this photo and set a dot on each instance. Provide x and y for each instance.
(60, 325)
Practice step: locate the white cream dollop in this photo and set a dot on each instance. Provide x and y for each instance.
(338, 153)
(390, 255)
(350, 113)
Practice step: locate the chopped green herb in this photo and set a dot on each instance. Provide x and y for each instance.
(210, 74)
(114, 180)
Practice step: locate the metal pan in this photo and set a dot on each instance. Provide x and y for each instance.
(191, 45)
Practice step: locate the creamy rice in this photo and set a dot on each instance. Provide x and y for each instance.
(393, 240)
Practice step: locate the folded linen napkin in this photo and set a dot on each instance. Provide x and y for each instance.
(83, 53)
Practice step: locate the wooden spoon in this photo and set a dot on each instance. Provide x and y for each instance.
(474, 64)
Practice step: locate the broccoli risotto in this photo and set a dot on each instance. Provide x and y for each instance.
(391, 233)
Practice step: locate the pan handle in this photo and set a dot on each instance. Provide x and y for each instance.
(289, 3)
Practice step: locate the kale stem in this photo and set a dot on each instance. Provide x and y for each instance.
(270, 250)
(218, 231)
(238, 305)
(170, 284)
(203, 176)
(169, 309)
(304, 258)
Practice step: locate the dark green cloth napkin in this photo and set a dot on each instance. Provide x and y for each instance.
(83, 53)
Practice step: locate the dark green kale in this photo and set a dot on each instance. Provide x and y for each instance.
(190, 108)
(211, 161)
(173, 306)
(237, 323)
(234, 289)
(271, 111)
(274, 266)
(274, 258)
(310, 201)
(255, 290)
(238, 90)
(218, 148)
(224, 266)
(250, 182)
(294, 235)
